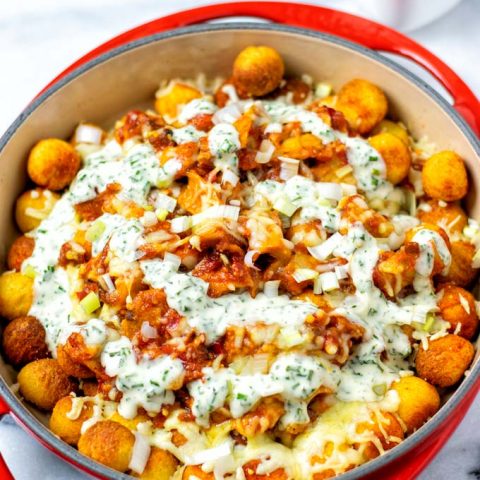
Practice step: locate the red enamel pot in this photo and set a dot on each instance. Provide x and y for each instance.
(328, 45)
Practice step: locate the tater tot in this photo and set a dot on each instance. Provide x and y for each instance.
(258, 70)
(32, 207)
(450, 216)
(132, 423)
(457, 307)
(444, 177)
(387, 126)
(461, 271)
(445, 361)
(43, 383)
(69, 429)
(53, 163)
(16, 295)
(250, 472)
(363, 104)
(109, 443)
(161, 465)
(21, 249)
(24, 341)
(387, 429)
(418, 401)
(395, 154)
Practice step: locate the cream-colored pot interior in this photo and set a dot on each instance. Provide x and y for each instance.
(102, 93)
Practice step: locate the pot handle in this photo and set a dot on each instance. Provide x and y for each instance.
(4, 408)
(360, 30)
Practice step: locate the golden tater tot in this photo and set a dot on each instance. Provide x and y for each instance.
(445, 361)
(450, 216)
(24, 341)
(395, 154)
(131, 424)
(21, 249)
(387, 126)
(16, 295)
(258, 70)
(444, 177)
(161, 465)
(69, 429)
(109, 443)
(32, 207)
(250, 472)
(457, 307)
(53, 163)
(363, 104)
(461, 271)
(177, 94)
(418, 401)
(387, 429)
(44, 383)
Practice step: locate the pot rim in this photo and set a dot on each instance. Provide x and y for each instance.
(70, 454)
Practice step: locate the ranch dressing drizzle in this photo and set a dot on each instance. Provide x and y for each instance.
(304, 194)
(188, 295)
(187, 134)
(198, 106)
(224, 142)
(144, 382)
(294, 376)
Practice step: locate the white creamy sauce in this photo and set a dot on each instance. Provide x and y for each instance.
(136, 172)
(52, 306)
(224, 142)
(305, 194)
(187, 134)
(188, 295)
(427, 240)
(94, 332)
(144, 382)
(123, 236)
(294, 376)
(198, 106)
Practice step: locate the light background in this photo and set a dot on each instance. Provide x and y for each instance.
(38, 39)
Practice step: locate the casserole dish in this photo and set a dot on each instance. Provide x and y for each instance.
(104, 88)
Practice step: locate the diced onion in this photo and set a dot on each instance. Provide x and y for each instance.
(217, 211)
(476, 259)
(256, 364)
(181, 224)
(325, 249)
(348, 189)
(317, 286)
(410, 202)
(284, 205)
(140, 453)
(95, 231)
(265, 152)
(270, 289)
(210, 454)
(273, 128)
(329, 281)
(148, 331)
(172, 258)
(343, 171)
(250, 258)
(227, 114)
(464, 303)
(323, 90)
(90, 303)
(341, 271)
(86, 133)
(161, 214)
(288, 167)
(230, 177)
(330, 190)
(235, 202)
(230, 90)
(108, 282)
(165, 202)
(34, 213)
(149, 219)
(303, 274)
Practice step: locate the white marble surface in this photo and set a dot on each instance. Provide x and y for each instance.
(39, 38)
